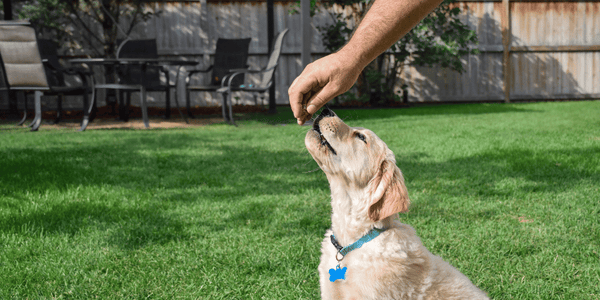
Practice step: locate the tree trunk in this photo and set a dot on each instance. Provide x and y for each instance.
(108, 29)
(108, 34)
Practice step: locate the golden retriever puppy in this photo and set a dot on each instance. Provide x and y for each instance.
(372, 255)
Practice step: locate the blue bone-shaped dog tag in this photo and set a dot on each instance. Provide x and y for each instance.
(337, 273)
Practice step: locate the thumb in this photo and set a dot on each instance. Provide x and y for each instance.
(320, 98)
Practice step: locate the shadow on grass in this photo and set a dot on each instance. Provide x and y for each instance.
(489, 176)
(158, 171)
(551, 171)
(124, 226)
(224, 174)
(147, 162)
(277, 221)
(500, 174)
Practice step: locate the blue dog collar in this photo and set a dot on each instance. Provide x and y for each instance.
(337, 273)
(365, 239)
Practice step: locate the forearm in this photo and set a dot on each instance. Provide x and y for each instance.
(334, 74)
(385, 23)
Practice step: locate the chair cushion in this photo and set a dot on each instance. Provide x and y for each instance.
(21, 57)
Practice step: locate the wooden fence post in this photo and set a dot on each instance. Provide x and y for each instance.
(204, 31)
(506, 33)
(270, 37)
(306, 33)
(8, 11)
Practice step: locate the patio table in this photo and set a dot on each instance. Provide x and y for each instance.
(143, 62)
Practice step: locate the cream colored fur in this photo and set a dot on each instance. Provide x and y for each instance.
(367, 190)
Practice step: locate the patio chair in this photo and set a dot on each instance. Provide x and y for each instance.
(24, 70)
(229, 54)
(55, 73)
(231, 84)
(129, 75)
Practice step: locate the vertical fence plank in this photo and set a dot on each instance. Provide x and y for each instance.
(506, 34)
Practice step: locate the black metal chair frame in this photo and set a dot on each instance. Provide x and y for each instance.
(230, 85)
(141, 49)
(230, 54)
(55, 74)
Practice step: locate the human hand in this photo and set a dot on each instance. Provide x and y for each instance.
(320, 82)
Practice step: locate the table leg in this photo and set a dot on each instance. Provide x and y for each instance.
(86, 111)
(121, 99)
(143, 95)
(37, 120)
(21, 96)
(144, 106)
(168, 98)
(177, 95)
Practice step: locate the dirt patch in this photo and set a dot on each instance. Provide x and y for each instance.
(106, 119)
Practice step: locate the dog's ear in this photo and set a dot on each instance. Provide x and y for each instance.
(389, 195)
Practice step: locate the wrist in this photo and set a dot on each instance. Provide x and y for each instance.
(354, 56)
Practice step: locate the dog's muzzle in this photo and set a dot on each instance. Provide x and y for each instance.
(326, 112)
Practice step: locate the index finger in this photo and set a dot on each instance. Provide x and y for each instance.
(297, 94)
(295, 98)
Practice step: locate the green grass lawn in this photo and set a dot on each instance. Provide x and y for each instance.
(508, 194)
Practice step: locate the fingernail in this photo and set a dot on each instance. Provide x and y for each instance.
(311, 109)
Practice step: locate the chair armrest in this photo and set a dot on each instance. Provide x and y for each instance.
(81, 72)
(69, 71)
(50, 66)
(226, 82)
(195, 71)
(248, 71)
(78, 71)
(165, 72)
(242, 71)
(269, 69)
(236, 72)
(233, 72)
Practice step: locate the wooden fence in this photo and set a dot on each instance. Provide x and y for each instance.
(529, 49)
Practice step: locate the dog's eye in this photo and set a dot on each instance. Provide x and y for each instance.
(361, 136)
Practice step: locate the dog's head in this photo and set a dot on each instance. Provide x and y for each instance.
(361, 161)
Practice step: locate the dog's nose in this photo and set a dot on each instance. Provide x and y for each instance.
(326, 112)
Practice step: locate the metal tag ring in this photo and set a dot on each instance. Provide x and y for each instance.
(336, 256)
